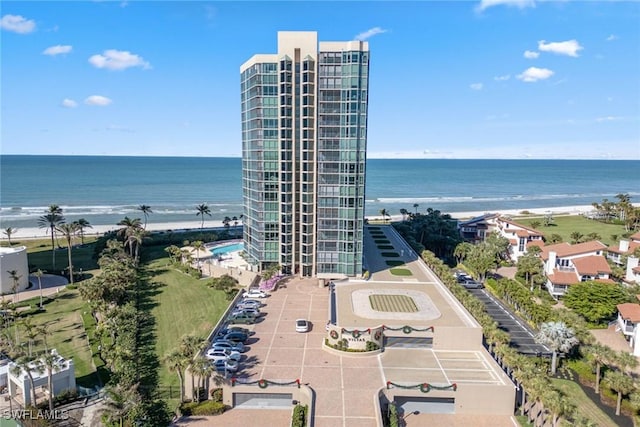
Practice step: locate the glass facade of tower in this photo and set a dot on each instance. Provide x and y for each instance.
(304, 124)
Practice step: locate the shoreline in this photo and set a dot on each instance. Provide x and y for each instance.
(33, 233)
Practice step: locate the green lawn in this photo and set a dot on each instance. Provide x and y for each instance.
(183, 305)
(586, 405)
(565, 225)
(401, 272)
(66, 333)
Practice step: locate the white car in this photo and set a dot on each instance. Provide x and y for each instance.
(254, 293)
(215, 355)
(302, 325)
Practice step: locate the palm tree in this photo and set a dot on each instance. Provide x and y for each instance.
(203, 210)
(38, 273)
(415, 206)
(120, 401)
(599, 355)
(31, 331)
(146, 210)
(529, 266)
(620, 383)
(625, 361)
(28, 365)
(9, 231)
(190, 346)
(384, 213)
(68, 231)
(198, 246)
(462, 250)
(226, 222)
(176, 361)
(51, 363)
(16, 283)
(576, 237)
(50, 221)
(130, 226)
(558, 337)
(136, 238)
(535, 223)
(82, 224)
(404, 214)
(202, 368)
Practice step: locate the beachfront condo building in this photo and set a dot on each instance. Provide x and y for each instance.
(304, 139)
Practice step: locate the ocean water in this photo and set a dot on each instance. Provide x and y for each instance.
(103, 190)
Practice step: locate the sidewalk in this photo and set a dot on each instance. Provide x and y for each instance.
(51, 284)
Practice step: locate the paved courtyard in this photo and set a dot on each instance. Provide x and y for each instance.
(346, 386)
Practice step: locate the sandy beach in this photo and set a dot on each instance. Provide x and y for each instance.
(39, 233)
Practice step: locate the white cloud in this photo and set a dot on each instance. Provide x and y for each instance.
(17, 24)
(533, 74)
(112, 59)
(529, 54)
(98, 100)
(608, 119)
(370, 33)
(521, 4)
(611, 38)
(476, 86)
(569, 48)
(69, 103)
(502, 78)
(57, 50)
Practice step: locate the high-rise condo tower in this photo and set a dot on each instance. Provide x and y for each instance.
(304, 140)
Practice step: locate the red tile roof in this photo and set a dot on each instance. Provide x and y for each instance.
(629, 311)
(632, 247)
(563, 278)
(532, 231)
(565, 249)
(538, 243)
(607, 281)
(635, 236)
(591, 265)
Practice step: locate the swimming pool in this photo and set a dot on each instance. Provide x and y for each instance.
(225, 249)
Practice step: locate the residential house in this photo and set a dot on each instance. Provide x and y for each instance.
(566, 264)
(625, 250)
(476, 229)
(520, 236)
(627, 323)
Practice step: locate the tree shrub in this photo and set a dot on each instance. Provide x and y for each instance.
(216, 394)
(208, 407)
(299, 417)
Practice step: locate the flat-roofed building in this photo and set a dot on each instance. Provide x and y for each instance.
(304, 134)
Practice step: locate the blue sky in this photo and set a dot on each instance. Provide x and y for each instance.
(483, 79)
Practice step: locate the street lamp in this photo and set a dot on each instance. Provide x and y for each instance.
(404, 417)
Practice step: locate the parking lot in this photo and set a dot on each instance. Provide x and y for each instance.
(346, 386)
(522, 337)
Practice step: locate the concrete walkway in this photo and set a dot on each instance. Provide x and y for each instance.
(51, 284)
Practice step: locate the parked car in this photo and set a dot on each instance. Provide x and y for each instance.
(302, 325)
(228, 345)
(462, 277)
(216, 355)
(230, 328)
(241, 317)
(472, 284)
(254, 293)
(249, 303)
(253, 311)
(234, 336)
(226, 365)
